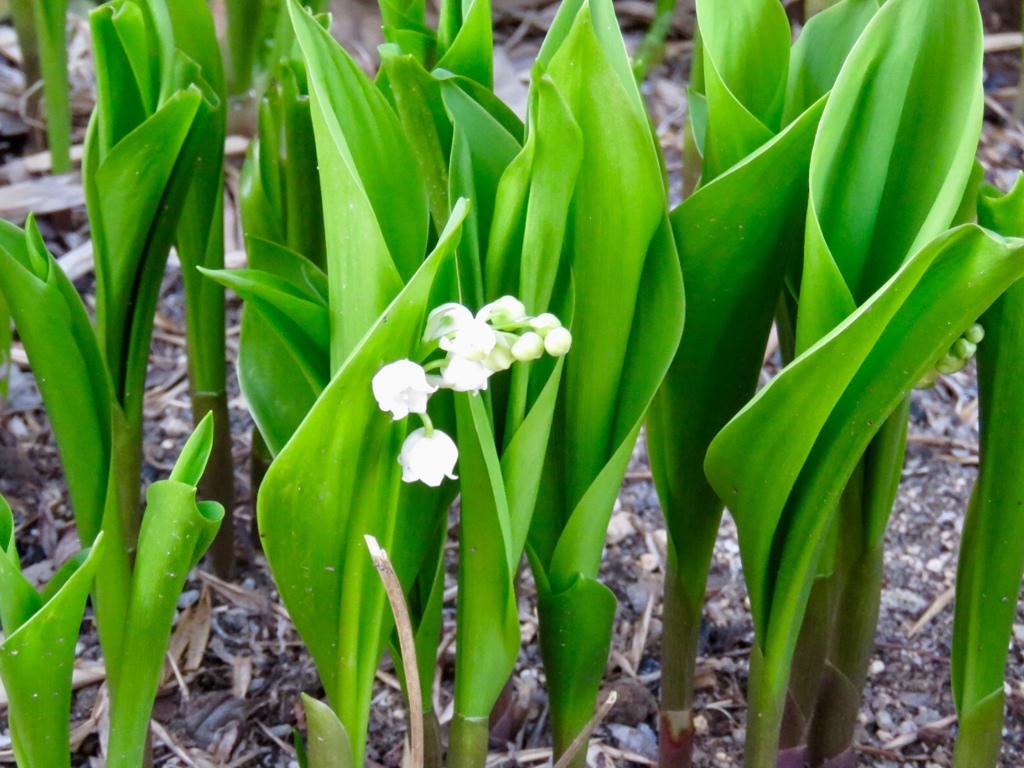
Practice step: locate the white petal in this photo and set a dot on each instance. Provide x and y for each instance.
(402, 388)
(462, 375)
(473, 340)
(428, 459)
(445, 320)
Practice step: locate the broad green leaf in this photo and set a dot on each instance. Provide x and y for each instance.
(480, 152)
(877, 194)
(627, 313)
(176, 531)
(782, 485)
(38, 652)
(487, 621)
(575, 641)
(283, 364)
(20, 600)
(745, 49)
(610, 245)
(416, 95)
(127, 77)
(335, 481)
(58, 337)
(471, 52)
(531, 206)
(329, 745)
(404, 24)
(991, 555)
(200, 233)
(733, 249)
(299, 317)
(373, 196)
(133, 216)
(820, 51)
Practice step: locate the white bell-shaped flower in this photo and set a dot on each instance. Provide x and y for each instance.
(428, 458)
(446, 320)
(463, 375)
(402, 388)
(473, 340)
(505, 311)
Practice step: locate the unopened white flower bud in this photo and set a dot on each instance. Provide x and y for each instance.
(545, 322)
(975, 333)
(529, 346)
(505, 311)
(428, 458)
(402, 388)
(558, 341)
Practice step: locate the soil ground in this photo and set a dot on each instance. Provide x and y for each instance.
(238, 666)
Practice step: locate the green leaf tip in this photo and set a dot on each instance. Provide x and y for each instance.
(192, 461)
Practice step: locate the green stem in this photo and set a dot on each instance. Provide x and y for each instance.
(433, 747)
(467, 744)
(121, 519)
(766, 701)
(651, 50)
(259, 463)
(681, 637)
(23, 16)
(218, 481)
(864, 514)
(49, 16)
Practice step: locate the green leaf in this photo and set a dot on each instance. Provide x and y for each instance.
(37, 657)
(58, 337)
(337, 480)
(745, 49)
(781, 485)
(133, 217)
(991, 554)
(488, 616)
(878, 195)
(820, 52)
(296, 314)
(480, 152)
(471, 52)
(531, 207)
(176, 531)
(329, 745)
(377, 233)
(575, 641)
(733, 249)
(283, 365)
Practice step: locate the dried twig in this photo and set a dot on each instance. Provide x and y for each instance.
(407, 643)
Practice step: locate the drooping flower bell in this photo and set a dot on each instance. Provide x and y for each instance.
(428, 458)
(402, 388)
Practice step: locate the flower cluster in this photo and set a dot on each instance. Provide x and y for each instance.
(475, 347)
(956, 358)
